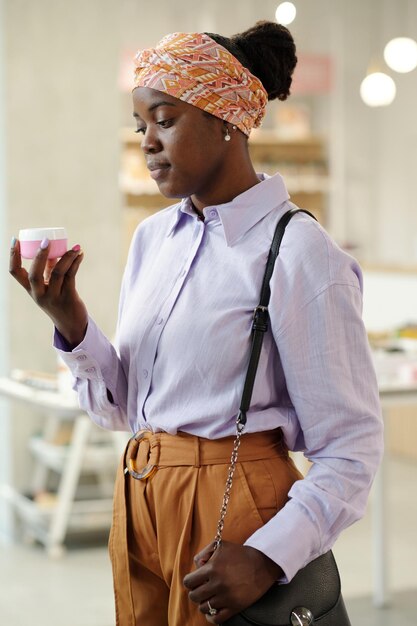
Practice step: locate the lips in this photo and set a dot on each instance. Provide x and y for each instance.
(157, 169)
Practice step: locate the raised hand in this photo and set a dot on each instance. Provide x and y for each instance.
(51, 284)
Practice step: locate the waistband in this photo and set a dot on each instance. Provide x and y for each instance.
(146, 449)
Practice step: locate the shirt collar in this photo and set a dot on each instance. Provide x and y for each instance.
(244, 211)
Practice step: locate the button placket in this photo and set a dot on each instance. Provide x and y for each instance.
(153, 336)
(198, 236)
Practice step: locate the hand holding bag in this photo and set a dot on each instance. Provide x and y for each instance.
(313, 597)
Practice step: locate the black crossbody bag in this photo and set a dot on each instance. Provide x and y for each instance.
(314, 594)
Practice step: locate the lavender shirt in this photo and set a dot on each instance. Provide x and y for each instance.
(186, 305)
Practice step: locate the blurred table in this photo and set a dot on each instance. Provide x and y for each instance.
(49, 400)
(89, 450)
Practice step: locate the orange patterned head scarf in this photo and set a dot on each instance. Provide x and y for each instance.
(196, 69)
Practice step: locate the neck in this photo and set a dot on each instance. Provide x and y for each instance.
(225, 188)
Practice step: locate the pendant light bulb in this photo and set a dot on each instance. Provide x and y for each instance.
(378, 89)
(400, 54)
(285, 13)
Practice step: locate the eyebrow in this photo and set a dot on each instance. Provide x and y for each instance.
(156, 105)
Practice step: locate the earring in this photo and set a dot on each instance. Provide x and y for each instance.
(227, 136)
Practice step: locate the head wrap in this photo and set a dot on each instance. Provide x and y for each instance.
(196, 69)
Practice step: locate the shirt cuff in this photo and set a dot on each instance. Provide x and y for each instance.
(90, 358)
(280, 540)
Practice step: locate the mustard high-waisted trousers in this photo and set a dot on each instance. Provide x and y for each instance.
(162, 522)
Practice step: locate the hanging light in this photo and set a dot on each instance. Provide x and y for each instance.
(400, 54)
(285, 13)
(378, 89)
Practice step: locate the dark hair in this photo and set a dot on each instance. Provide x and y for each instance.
(268, 51)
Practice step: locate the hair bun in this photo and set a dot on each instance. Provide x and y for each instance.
(268, 51)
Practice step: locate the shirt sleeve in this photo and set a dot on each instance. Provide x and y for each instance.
(332, 385)
(97, 369)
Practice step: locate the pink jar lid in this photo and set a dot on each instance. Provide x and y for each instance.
(37, 234)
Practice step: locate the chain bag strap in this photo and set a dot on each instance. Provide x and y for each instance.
(259, 328)
(314, 593)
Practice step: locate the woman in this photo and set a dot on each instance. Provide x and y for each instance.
(191, 283)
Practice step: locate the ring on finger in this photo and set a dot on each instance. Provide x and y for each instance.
(212, 611)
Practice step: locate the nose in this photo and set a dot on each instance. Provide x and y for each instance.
(150, 142)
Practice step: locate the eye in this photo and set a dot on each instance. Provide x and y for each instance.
(165, 123)
(140, 130)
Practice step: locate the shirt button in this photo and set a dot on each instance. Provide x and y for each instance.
(159, 321)
(90, 369)
(145, 373)
(213, 213)
(183, 273)
(82, 357)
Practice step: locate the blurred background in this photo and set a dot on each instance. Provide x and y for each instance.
(346, 144)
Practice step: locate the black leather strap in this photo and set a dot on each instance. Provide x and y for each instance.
(261, 315)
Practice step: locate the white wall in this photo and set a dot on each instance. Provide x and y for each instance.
(5, 426)
(397, 163)
(390, 300)
(63, 149)
(63, 118)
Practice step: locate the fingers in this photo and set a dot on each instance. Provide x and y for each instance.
(213, 614)
(72, 271)
(200, 575)
(50, 264)
(206, 585)
(64, 271)
(205, 555)
(15, 265)
(44, 274)
(37, 270)
(195, 579)
(200, 593)
(221, 616)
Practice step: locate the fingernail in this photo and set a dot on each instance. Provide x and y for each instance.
(76, 248)
(13, 242)
(44, 243)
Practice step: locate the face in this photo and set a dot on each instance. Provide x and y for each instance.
(184, 148)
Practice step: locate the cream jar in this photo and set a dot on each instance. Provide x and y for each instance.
(31, 238)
